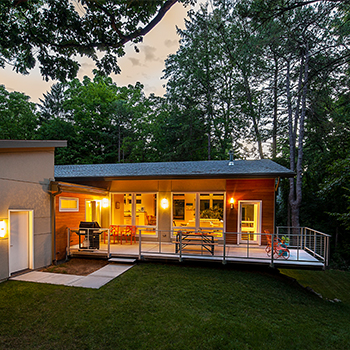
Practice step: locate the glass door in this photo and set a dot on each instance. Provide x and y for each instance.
(249, 223)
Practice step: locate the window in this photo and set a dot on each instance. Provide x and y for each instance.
(206, 216)
(136, 209)
(68, 204)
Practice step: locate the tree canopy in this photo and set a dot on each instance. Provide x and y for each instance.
(55, 33)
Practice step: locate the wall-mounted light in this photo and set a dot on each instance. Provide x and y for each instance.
(105, 202)
(2, 229)
(164, 203)
(232, 202)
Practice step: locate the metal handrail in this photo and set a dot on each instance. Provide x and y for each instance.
(313, 242)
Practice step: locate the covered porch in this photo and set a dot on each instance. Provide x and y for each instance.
(289, 247)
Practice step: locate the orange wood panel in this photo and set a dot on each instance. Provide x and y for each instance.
(250, 189)
(69, 219)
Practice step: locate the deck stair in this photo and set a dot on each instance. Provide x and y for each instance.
(122, 260)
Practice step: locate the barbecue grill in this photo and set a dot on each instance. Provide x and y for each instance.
(90, 231)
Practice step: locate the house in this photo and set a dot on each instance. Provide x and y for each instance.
(206, 210)
(235, 199)
(26, 169)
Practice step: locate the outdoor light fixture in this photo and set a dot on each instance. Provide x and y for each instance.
(2, 229)
(164, 203)
(232, 202)
(105, 202)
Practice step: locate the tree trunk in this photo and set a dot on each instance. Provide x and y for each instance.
(275, 108)
(295, 185)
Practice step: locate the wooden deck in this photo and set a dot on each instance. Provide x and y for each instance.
(233, 254)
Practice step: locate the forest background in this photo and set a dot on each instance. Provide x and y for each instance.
(268, 79)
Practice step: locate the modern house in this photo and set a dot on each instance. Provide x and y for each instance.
(198, 210)
(205, 210)
(26, 169)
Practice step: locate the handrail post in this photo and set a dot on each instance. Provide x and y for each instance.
(140, 244)
(180, 242)
(315, 239)
(109, 244)
(272, 249)
(68, 241)
(224, 252)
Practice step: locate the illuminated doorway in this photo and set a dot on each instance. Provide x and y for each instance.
(249, 221)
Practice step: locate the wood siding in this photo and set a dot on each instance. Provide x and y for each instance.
(64, 220)
(250, 189)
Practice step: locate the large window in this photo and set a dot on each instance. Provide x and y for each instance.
(207, 216)
(136, 209)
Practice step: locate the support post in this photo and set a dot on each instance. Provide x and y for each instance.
(109, 244)
(272, 249)
(140, 255)
(224, 252)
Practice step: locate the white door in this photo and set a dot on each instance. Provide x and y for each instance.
(249, 223)
(19, 241)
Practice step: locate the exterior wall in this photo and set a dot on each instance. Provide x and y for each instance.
(165, 188)
(25, 176)
(240, 189)
(63, 220)
(250, 189)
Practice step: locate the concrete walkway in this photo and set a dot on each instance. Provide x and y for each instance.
(95, 280)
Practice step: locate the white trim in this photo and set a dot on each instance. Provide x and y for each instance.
(76, 209)
(30, 236)
(255, 202)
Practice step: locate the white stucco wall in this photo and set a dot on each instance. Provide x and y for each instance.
(24, 183)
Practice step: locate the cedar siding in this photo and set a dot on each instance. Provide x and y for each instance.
(250, 189)
(69, 219)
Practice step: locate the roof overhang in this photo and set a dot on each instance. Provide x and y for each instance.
(15, 144)
(57, 187)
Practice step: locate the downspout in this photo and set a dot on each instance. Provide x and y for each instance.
(53, 194)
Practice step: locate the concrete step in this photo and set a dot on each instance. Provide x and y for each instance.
(122, 260)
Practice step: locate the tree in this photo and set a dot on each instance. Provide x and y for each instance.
(18, 116)
(55, 32)
(200, 87)
(102, 122)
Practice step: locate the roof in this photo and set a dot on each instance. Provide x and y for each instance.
(263, 168)
(32, 143)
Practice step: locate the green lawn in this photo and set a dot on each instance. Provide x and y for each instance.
(159, 306)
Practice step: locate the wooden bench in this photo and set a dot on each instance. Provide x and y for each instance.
(193, 239)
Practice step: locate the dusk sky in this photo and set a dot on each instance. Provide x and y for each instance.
(145, 66)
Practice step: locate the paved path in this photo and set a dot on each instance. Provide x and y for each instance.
(95, 280)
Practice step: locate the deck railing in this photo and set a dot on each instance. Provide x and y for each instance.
(314, 242)
(304, 245)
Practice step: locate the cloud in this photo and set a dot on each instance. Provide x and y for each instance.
(171, 43)
(135, 61)
(150, 53)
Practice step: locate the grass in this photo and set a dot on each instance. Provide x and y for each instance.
(159, 306)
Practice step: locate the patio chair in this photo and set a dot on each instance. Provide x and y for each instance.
(129, 231)
(113, 232)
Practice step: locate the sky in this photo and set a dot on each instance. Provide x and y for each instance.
(145, 67)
